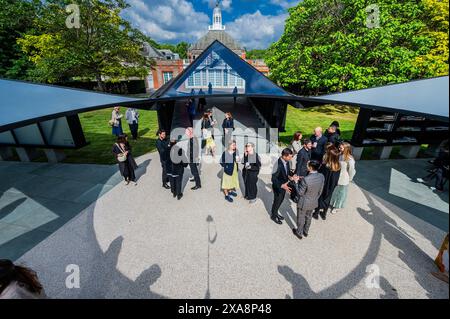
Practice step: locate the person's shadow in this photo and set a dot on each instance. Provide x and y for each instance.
(409, 253)
(300, 286)
(106, 281)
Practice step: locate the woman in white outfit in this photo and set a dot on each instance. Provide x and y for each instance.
(348, 171)
(296, 146)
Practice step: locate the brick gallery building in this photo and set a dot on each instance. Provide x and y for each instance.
(168, 64)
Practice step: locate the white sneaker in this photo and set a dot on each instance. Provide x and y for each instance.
(134, 183)
(127, 182)
(252, 201)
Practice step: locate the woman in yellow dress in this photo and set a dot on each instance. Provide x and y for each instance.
(230, 178)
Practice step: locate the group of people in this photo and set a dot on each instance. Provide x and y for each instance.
(132, 118)
(175, 159)
(316, 174)
(314, 171)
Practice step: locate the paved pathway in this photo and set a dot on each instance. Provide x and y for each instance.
(140, 242)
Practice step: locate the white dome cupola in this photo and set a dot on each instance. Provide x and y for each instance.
(217, 19)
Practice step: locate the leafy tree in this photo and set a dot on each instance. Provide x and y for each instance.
(333, 45)
(16, 17)
(104, 47)
(180, 48)
(256, 54)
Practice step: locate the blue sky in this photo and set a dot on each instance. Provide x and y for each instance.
(254, 23)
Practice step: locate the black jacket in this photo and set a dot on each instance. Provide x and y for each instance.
(206, 124)
(163, 149)
(177, 161)
(228, 162)
(228, 123)
(280, 176)
(193, 150)
(318, 152)
(303, 157)
(255, 163)
(333, 138)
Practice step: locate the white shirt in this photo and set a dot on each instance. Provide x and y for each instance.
(132, 115)
(285, 166)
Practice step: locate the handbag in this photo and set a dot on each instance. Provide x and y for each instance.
(111, 122)
(121, 157)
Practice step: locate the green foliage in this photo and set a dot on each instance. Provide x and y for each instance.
(16, 17)
(104, 47)
(327, 46)
(180, 48)
(256, 54)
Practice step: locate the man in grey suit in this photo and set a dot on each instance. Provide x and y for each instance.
(309, 189)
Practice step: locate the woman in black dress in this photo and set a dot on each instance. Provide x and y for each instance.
(331, 169)
(127, 164)
(252, 165)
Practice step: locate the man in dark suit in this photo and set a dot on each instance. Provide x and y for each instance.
(194, 158)
(309, 190)
(303, 157)
(280, 180)
(333, 136)
(178, 162)
(162, 144)
(319, 142)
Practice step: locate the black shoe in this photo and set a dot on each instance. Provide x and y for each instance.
(174, 195)
(280, 217)
(323, 215)
(166, 186)
(196, 187)
(276, 220)
(305, 234)
(294, 231)
(315, 215)
(180, 196)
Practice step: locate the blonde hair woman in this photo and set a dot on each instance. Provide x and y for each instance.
(210, 144)
(346, 176)
(116, 121)
(331, 169)
(230, 179)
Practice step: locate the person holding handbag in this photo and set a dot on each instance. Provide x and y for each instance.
(116, 122)
(252, 165)
(127, 164)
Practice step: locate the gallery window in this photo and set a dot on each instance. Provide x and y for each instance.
(167, 76)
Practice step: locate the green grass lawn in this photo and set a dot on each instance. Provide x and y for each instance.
(98, 134)
(306, 120)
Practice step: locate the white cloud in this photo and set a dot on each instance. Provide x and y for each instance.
(171, 20)
(176, 20)
(285, 3)
(257, 31)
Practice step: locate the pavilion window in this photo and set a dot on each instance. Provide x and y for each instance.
(204, 78)
(191, 80)
(225, 78)
(197, 79)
